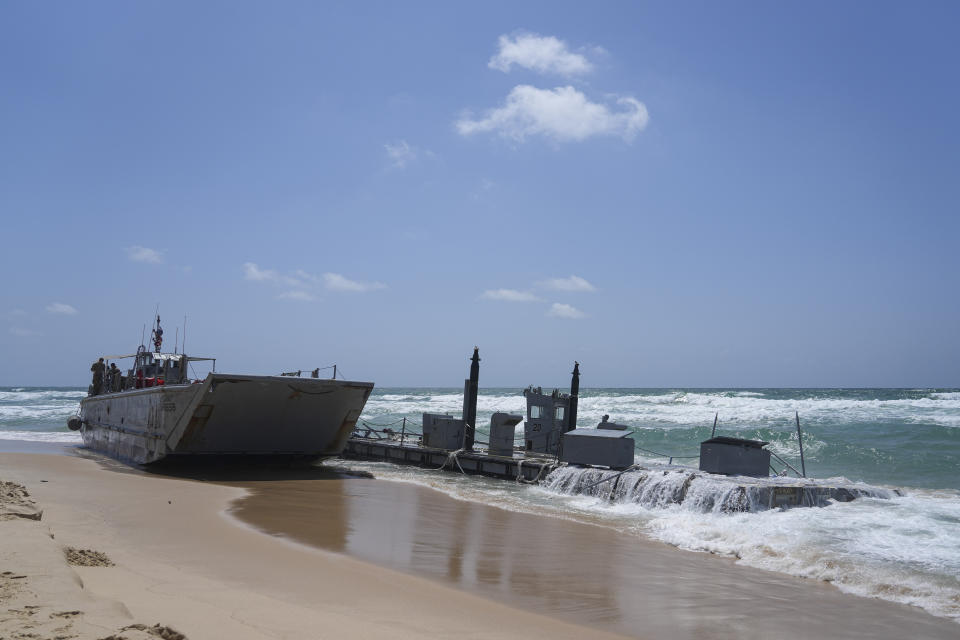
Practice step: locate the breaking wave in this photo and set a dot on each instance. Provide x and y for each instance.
(660, 488)
(67, 437)
(904, 548)
(659, 408)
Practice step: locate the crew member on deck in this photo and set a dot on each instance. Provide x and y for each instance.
(98, 370)
(115, 377)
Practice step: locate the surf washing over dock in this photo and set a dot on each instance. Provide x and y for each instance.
(902, 549)
(734, 474)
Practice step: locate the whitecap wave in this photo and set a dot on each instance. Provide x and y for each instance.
(904, 549)
(686, 408)
(25, 396)
(70, 437)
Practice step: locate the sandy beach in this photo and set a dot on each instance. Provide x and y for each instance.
(178, 561)
(316, 554)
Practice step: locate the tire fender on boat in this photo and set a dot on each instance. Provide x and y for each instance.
(74, 423)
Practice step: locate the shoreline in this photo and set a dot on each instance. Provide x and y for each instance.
(582, 572)
(179, 560)
(570, 574)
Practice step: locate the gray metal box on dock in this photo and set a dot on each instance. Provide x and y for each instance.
(442, 431)
(734, 457)
(599, 447)
(503, 429)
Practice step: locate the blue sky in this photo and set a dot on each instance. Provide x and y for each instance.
(735, 194)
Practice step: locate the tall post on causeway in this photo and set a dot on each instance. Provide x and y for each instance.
(470, 415)
(803, 465)
(574, 394)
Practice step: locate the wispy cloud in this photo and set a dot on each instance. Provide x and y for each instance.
(144, 254)
(301, 285)
(302, 296)
(509, 295)
(560, 310)
(573, 283)
(252, 272)
(400, 154)
(337, 282)
(563, 114)
(61, 308)
(544, 54)
(23, 332)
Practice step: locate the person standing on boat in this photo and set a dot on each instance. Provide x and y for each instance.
(115, 377)
(98, 369)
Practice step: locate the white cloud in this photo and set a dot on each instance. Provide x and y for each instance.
(563, 114)
(545, 54)
(337, 282)
(302, 296)
(300, 274)
(144, 254)
(560, 310)
(61, 308)
(400, 154)
(252, 272)
(573, 283)
(23, 333)
(509, 295)
(298, 285)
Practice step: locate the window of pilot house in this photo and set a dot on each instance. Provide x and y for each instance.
(536, 411)
(558, 413)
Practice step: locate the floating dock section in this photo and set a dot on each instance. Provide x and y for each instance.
(663, 486)
(733, 474)
(648, 486)
(517, 467)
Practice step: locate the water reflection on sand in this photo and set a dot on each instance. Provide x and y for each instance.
(579, 572)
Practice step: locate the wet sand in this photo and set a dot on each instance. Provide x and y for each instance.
(176, 559)
(578, 572)
(350, 556)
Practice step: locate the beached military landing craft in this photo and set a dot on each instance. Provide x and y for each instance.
(155, 410)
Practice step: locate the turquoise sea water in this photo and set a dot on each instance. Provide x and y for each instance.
(906, 549)
(908, 437)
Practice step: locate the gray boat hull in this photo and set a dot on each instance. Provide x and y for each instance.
(225, 414)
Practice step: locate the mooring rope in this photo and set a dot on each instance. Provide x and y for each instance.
(536, 479)
(451, 456)
(376, 424)
(666, 455)
(591, 486)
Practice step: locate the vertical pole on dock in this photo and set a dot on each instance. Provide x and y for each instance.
(574, 395)
(334, 372)
(714, 423)
(470, 418)
(403, 431)
(803, 466)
